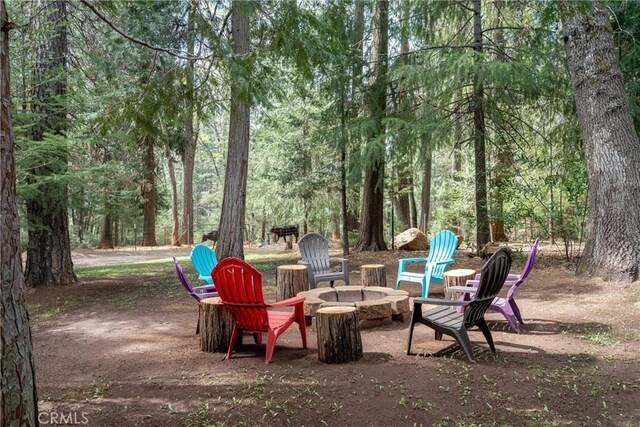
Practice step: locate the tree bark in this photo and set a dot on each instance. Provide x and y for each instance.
(353, 222)
(188, 158)
(371, 233)
(149, 194)
(49, 248)
(235, 183)
(18, 401)
(404, 201)
(426, 185)
(611, 149)
(482, 215)
(175, 224)
(339, 339)
(106, 235)
(503, 157)
(215, 325)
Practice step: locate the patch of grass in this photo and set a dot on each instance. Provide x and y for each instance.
(99, 390)
(139, 268)
(600, 338)
(60, 306)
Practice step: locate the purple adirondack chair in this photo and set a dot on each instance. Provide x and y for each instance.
(197, 292)
(507, 306)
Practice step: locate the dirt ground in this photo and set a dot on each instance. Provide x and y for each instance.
(121, 351)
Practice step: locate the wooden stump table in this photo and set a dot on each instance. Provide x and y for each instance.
(457, 277)
(338, 334)
(290, 280)
(373, 275)
(216, 325)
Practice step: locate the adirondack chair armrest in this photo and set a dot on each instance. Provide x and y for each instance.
(461, 289)
(476, 282)
(404, 261)
(203, 277)
(303, 262)
(211, 288)
(343, 261)
(287, 303)
(429, 266)
(439, 301)
(510, 276)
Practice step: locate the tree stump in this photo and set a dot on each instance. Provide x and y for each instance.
(290, 280)
(373, 275)
(457, 277)
(216, 325)
(338, 334)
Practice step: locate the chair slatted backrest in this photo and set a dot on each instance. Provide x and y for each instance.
(240, 288)
(183, 279)
(528, 266)
(442, 247)
(492, 278)
(314, 249)
(203, 259)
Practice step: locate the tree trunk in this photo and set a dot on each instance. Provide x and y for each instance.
(353, 222)
(426, 185)
(175, 225)
(403, 200)
(482, 216)
(149, 195)
(49, 248)
(106, 235)
(335, 228)
(371, 233)
(188, 159)
(235, 183)
(18, 401)
(611, 149)
(503, 157)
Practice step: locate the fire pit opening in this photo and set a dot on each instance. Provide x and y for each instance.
(376, 305)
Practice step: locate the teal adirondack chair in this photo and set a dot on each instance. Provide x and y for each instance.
(441, 249)
(203, 259)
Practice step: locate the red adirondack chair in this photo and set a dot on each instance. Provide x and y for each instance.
(240, 288)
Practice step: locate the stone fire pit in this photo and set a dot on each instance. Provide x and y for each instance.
(376, 305)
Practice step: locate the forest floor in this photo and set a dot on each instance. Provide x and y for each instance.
(120, 350)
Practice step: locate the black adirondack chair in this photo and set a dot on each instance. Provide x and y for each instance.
(451, 322)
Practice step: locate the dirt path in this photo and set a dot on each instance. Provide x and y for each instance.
(122, 351)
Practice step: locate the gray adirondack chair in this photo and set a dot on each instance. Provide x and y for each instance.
(451, 322)
(315, 255)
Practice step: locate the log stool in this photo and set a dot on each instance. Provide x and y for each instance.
(373, 275)
(457, 277)
(290, 280)
(216, 325)
(338, 334)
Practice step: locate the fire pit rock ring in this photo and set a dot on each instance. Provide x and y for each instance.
(376, 305)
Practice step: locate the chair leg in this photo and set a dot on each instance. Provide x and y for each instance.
(198, 324)
(331, 283)
(482, 324)
(232, 341)
(463, 340)
(438, 335)
(398, 284)
(271, 345)
(410, 337)
(415, 317)
(302, 323)
(516, 311)
(513, 323)
(257, 337)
